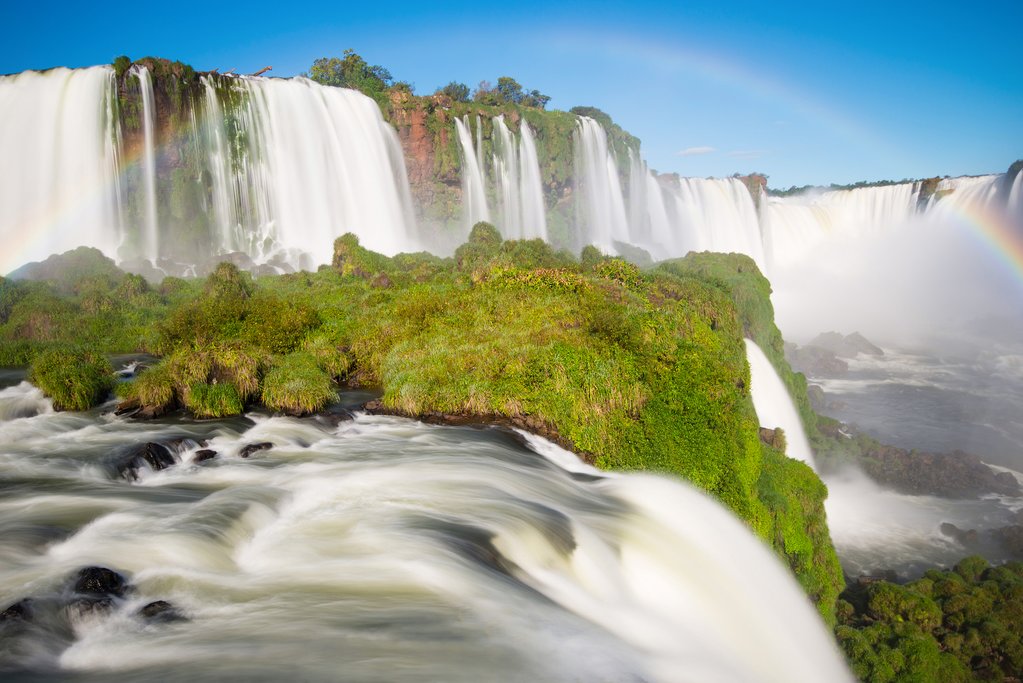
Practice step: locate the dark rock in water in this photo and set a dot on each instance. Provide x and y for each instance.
(968, 538)
(100, 581)
(20, 611)
(249, 449)
(204, 455)
(160, 610)
(83, 608)
(157, 456)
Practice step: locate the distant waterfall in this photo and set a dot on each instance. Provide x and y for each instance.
(59, 168)
(474, 194)
(514, 184)
(774, 406)
(600, 206)
(150, 243)
(274, 168)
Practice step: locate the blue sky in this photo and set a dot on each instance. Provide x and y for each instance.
(815, 93)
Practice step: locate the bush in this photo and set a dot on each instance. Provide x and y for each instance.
(297, 385)
(213, 400)
(75, 378)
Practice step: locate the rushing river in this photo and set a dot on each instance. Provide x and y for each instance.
(366, 548)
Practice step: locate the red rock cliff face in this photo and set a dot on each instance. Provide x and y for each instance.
(409, 116)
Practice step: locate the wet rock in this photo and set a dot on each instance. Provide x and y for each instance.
(848, 346)
(100, 581)
(160, 610)
(204, 455)
(968, 538)
(814, 361)
(1010, 538)
(157, 456)
(249, 449)
(19, 611)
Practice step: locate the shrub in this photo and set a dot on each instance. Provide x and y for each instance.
(75, 378)
(213, 400)
(153, 389)
(297, 385)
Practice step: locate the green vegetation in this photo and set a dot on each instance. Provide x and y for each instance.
(298, 385)
(352, 71)
(75, 378)
(960, 625)
(458, 92)
(509, 91)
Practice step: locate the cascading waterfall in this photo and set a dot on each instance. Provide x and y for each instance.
(379, 549)
(275, 168)
(719, 215)
(59, 184)
(520, 212)
(534, 214)
(799, 224)
(327, 163)
(506, 179)
(774, 405)
(601, 215)
(150, 246)
(474, 194)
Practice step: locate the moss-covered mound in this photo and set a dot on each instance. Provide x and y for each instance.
(73, 377)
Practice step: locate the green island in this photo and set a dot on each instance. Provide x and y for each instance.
(632, 369)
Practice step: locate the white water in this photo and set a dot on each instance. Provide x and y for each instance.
(150, 243)
(514, 180)
(474, 195)
(600, 204)
(385, 549)
(58, 171)
(290, 167)
(774, 406)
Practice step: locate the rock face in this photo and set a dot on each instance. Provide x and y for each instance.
(814, 361)
(949, 475)
(846, 347)
(100, 581)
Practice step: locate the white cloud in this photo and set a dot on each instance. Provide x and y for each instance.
(693, 151)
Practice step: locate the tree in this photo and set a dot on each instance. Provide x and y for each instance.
(458, 92)
(350, 72)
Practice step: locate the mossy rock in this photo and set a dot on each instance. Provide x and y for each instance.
(73, 377)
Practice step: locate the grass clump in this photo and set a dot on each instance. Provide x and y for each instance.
(213, 400)
(73, 377)
(297, 385)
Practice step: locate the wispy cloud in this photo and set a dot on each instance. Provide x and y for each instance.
(694, 151)
(747, 153)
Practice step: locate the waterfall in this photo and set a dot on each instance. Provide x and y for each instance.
(600, 206)
(534, 215)
(59, 169)
(719, 215)
(327, 163)
(506, 180)
(798, 224)
(150, 246)
(474, 196)
(774, 406)
(275, 168)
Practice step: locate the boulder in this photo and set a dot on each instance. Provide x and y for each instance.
(156, 455)
(19, 611)
(204, 455)
(160, 610)
(100, 581)
(249, 449)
